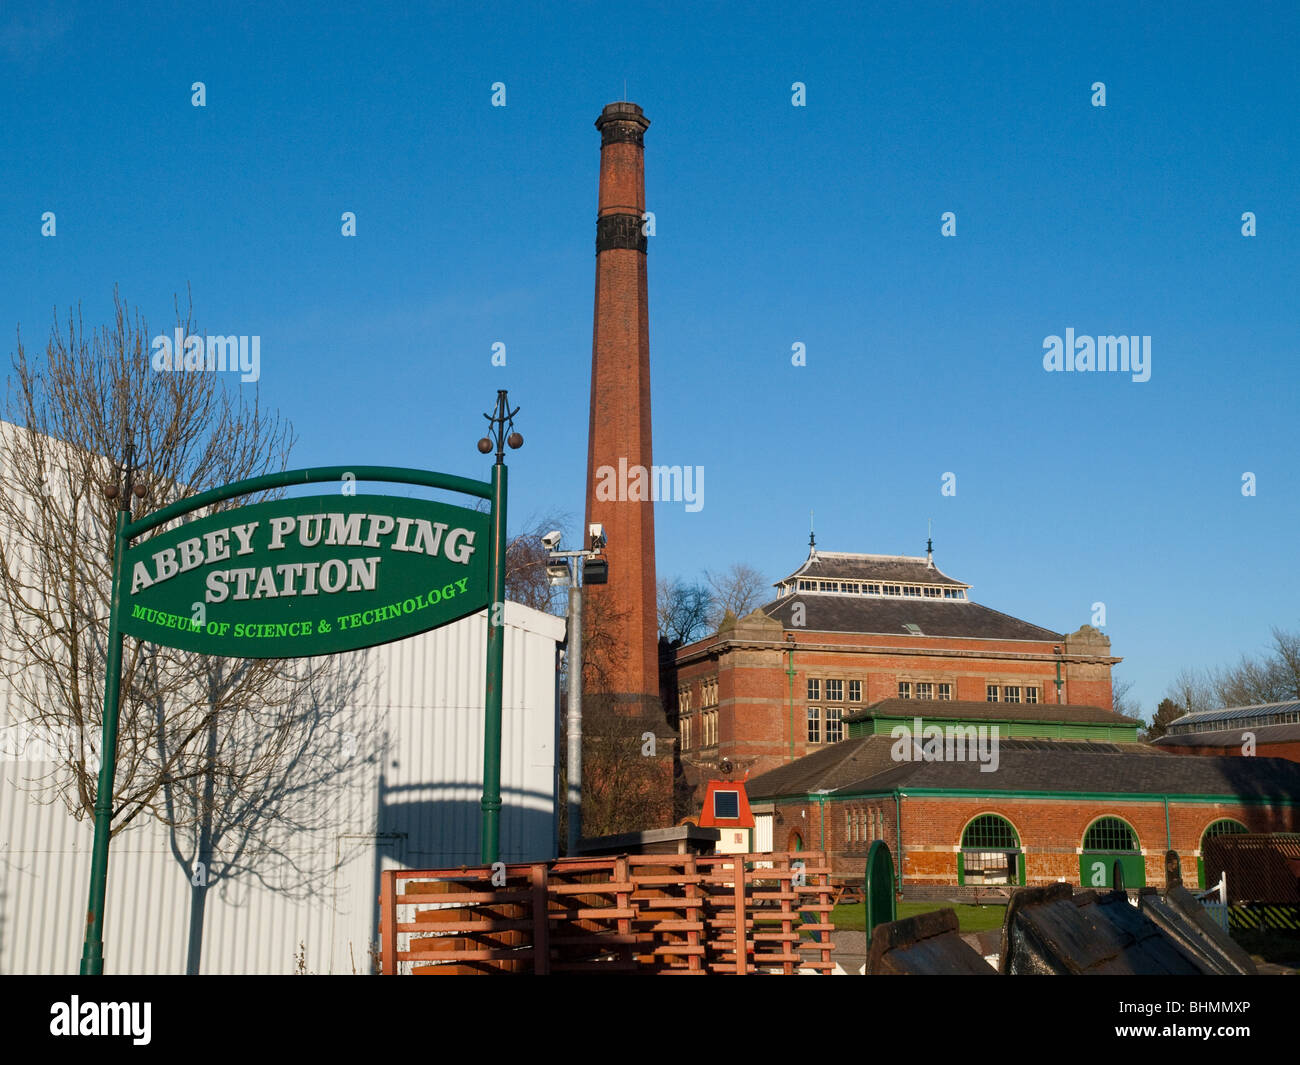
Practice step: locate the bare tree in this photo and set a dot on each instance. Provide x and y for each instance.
(1286, 657)
(626, 779)
(1273, 677)
(684, 610)
(740, 589)
(526, 580)
(202, 741)
(1120, 701)
(1193, 691)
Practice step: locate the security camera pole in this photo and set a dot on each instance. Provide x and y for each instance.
(596, 571)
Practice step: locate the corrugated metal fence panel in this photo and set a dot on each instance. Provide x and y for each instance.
(418, 712)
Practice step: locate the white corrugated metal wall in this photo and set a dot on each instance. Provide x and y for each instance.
(419, 711)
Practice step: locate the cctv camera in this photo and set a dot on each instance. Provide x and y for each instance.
(551, 540)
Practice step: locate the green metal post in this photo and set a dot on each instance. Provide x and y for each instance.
(898, 832)
(491, 804)
(92, 953)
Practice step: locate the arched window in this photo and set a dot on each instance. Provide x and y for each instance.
(1225, 826)
(1107, 842)
(990, 853)
(1112, 835)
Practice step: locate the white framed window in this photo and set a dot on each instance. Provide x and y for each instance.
(904, 689)
(945, 693)
(814, 724)
(1011, 693)
(1031, 695)
(992, 693)
(834, 724)
(871, 589)
(835, 691)
(912, 590)
(855, 691)
(924, 690)
(814, 688)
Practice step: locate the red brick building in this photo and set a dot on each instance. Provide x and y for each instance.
(848, 630)
(1048, 810)
(1269, 730)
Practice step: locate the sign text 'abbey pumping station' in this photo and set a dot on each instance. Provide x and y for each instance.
(316, 575)
(307, 576)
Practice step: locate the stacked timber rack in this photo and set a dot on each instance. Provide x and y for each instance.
(641, 914)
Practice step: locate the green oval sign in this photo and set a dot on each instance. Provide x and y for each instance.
(307, 576)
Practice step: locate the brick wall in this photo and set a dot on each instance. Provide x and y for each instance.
(1051, 832)
(754, 711)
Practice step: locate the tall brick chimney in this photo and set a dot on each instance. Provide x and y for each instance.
(619, 436)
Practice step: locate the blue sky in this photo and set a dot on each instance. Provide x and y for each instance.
(775, 224)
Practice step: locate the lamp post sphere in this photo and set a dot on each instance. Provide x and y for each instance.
(139, 491)
(111, 492)
(515, 440)
(485, 445)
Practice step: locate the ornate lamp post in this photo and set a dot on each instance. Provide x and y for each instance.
(501, 423)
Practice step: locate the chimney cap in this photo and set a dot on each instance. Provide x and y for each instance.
(623, 111)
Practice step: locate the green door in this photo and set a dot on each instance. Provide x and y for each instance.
(1107, 840)
(1096, 869)
(881, 902)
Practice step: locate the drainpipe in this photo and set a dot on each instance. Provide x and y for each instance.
(821, 801)
(898, 829)
(790, 673)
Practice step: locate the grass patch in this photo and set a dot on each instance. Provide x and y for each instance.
(853, 916)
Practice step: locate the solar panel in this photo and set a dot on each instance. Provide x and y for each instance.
(726, 804)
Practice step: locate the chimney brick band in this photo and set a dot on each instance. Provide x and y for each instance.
(622, 133)
(620, 231)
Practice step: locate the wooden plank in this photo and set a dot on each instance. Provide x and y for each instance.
(590, 889)
(470, 955)
(541, 924)
(485, 925)
(469, 898)
(388, 922)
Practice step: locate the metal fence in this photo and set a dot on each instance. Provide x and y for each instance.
(1260, 867)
